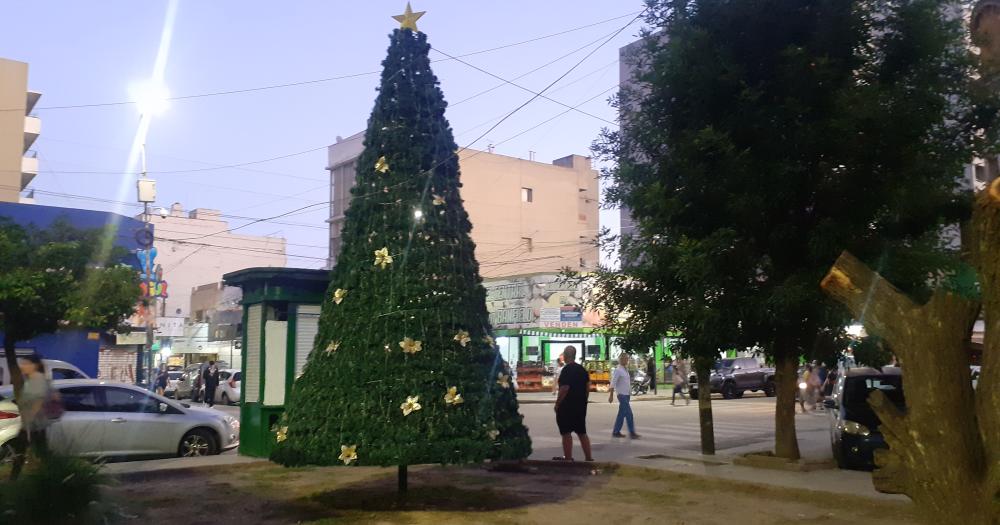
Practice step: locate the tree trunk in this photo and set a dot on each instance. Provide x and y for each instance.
(703, 370)
(10, 347)
(943, 451)
(786, 379)
(402, 479)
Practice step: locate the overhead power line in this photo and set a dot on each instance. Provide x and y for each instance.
(317, 80)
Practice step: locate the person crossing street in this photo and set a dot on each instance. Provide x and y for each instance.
(621, 384)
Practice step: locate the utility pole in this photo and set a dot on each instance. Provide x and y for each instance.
(147, 194)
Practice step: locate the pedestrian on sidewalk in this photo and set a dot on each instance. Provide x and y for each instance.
(621, 384)
(680, 382)
(555, 379)
(39, 405)
(651, 372)
(162, 379)
(571, 406)
(211, 383)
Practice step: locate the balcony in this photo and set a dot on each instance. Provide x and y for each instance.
(32, 129)
(29, 168)
(33, 97)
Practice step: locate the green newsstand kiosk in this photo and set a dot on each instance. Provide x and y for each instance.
(281, 308)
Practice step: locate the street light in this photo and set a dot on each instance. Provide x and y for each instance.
(151, 98)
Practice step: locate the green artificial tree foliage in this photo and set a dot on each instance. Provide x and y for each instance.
(406, 276)
(797, 129)
(59, 277)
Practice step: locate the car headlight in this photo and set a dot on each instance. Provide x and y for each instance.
(855, 428)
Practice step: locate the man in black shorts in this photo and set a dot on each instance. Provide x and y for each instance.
(571, 405)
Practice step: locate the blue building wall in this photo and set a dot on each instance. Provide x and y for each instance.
(79, 347)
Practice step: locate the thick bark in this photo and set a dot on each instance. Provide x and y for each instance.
(936, 455)
(9, 348)
(984, 253)
(786, 379)
(703, 370)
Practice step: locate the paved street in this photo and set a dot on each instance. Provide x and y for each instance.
(741, 425)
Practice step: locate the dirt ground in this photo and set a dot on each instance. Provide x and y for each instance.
(546, 494)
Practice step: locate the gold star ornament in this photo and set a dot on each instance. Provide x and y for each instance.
(503, 380)
(462, 337)
(453, 397)
(382, 258)
(381, 165)
(408, 20)
(411, 405)
(348, 453)
(338, 295)
(410, 346)
(332, 347)
(438, 200)
(490, 341)
(282, 434)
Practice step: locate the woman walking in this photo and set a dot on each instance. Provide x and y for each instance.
(38, 405)
(680, 382)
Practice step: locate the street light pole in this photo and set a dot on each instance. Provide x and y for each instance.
(147, 194)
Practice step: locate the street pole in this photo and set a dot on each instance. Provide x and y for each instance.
(150, 295)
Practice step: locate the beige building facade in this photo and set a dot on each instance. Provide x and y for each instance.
(195, 247)
(18, 130)
(527, 216)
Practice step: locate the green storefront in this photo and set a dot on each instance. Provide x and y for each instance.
(281, 309)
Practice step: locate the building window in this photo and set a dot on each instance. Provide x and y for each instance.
(527, 195)
(526, 241)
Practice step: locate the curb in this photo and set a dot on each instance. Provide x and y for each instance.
(766, 460)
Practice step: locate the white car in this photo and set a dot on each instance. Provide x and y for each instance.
(975, 375)
(10, 425)
(103, 418)
(230, 387)
(54, 369)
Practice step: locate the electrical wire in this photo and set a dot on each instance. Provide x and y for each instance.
(314, 81)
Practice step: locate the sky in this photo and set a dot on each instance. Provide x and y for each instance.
(82, 53)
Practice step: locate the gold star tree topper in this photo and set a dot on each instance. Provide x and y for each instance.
(408, 20)
(348, 453)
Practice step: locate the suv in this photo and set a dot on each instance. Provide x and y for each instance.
(734, 376)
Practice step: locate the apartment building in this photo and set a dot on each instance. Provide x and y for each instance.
(18, 130)
(527, 216)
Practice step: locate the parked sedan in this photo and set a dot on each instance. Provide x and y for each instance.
(104, 419)
(854, 427)
(230, 387)
(10, 425)
(172, 379)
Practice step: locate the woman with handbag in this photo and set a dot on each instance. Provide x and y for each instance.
(39, 405)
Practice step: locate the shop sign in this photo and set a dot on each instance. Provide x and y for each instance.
(169, 327)
(131, 338)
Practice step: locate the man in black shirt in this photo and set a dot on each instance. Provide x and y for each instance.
(571, 405)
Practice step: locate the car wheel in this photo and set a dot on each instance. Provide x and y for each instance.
(769, 388)
(728, 392)
(839, 456)
(196, 443)
(738, 394)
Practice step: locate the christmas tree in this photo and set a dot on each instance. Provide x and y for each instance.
(404, 370)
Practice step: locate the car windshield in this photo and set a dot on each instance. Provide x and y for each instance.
(724, 363)
(175, 375)
(238, 376)
(858, 389)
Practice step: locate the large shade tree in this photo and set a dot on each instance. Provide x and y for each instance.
(59, 277)
(404, 369)
(798, 128)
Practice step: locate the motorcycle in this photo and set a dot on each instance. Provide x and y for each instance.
(640, 383)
